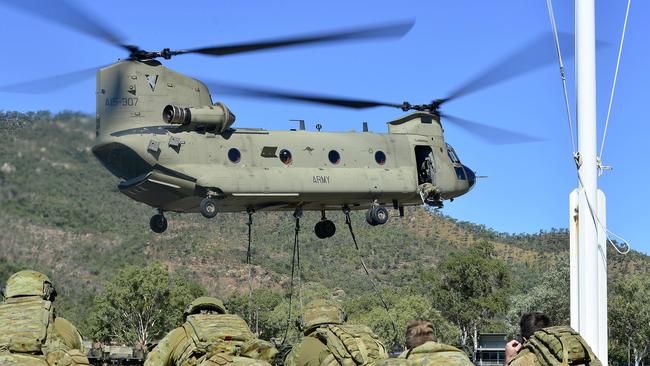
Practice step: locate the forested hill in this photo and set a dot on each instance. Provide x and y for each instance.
(62, 214)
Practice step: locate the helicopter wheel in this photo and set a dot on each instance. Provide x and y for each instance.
(158, 223)
(325, 229)
(377, 215)
(208, 208)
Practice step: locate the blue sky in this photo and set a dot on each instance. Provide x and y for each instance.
(528, 185)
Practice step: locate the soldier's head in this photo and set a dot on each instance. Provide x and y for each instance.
(320, 312)
(532, 322)
(204, 304)
(30, 283)
(418, 332)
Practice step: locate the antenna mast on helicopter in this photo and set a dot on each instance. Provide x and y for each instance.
(587, 203)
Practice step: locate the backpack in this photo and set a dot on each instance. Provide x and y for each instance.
(224, 339)
(350, 345)
(561, 345)
(24, 324)
(434, 353)
(18, 359)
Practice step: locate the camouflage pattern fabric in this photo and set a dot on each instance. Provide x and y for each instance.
(524, 358)
(73, 357)
(210, 339)
(26, 283)
(320, 311)
(24, 323)
(17, 359)
(308, 352)
(560, 345)
(394, 362)
(345, 345)
(434, 353)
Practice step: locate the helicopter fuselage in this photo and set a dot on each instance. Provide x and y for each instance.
(173, 167)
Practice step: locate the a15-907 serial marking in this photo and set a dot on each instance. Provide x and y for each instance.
(121, 102)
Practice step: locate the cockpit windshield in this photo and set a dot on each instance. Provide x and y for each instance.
(452, 155)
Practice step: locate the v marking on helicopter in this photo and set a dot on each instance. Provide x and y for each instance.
(152, 79)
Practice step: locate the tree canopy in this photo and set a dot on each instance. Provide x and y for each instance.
(141, 304)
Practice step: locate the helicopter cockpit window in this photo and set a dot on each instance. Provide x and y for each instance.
(380, 157)
(334, 157)
(285, 156)
(234, 155)
(452, 155)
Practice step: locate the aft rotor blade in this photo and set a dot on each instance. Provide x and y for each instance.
(382, 31)
(68, 15)
(231, 89)
(490, 134)
(50, 83)
(533, 55)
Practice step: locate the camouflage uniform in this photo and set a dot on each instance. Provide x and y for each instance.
(328, 342)
(434, 353)
(524, 358)
(558, 345)
(211, 339)
(30, 331)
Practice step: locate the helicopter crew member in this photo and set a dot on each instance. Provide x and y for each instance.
(30, 331)
(429, 193)
(211, 337)
(328, 341)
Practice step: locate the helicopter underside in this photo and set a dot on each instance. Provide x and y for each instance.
(169, 190)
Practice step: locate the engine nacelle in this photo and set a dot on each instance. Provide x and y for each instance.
(217, 115)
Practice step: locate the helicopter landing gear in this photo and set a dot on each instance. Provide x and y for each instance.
(377, 215)
(208, 208)
(324, 228)
(158, 223)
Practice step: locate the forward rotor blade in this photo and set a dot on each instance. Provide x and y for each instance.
(70, 16)
(533, 55)
(51, 83)
(231, 89)
(490, 134)
(382, 31)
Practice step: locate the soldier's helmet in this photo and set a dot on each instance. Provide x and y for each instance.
(204, 303)
(30, 283)
(321, 311)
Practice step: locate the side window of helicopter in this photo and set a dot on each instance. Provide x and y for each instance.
(452, 155)
(380, 157)
(334, 157)
(234, 155)
(285, 156)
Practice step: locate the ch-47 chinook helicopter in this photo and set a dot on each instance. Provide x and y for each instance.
(177, 150)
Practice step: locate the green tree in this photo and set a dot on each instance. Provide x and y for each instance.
(629, 315)
(141, 304)
(472, 288)
(551, 297)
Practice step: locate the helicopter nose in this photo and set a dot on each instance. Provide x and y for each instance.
(471, 176)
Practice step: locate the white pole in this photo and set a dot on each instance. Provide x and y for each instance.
(590, 282)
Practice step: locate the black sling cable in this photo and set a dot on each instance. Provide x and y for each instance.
(248, 263)
(294, 255)
(348, 221)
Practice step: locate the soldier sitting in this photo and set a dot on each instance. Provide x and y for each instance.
(211, 337)
(422, 349)
(548, 345)
(30, 331)
(328, 341)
